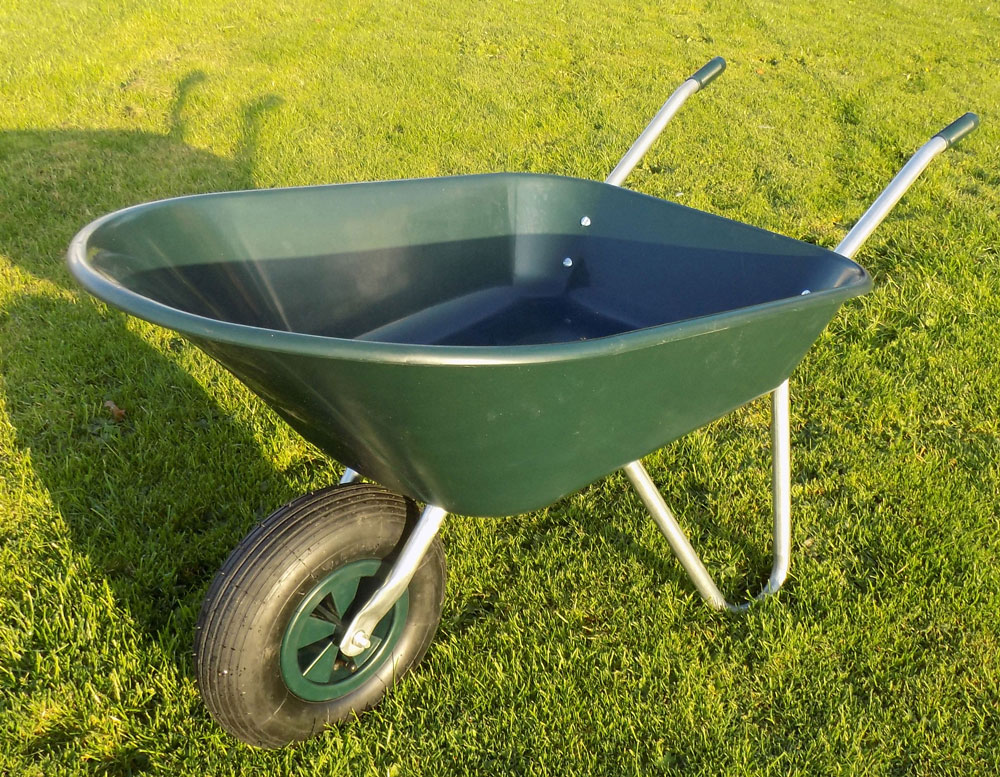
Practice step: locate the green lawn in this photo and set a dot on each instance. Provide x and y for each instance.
(571, 642)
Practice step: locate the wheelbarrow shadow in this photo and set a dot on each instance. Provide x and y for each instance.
(56, 181)
(157, 498)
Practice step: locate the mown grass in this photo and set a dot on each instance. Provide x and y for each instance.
(571, 643)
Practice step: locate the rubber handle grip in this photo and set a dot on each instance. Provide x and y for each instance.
(709, 72)
(959, 128)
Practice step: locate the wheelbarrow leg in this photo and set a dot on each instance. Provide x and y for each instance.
(781, 506)
(349, 476)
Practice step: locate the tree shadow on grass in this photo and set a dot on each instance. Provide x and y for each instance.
(155, 501)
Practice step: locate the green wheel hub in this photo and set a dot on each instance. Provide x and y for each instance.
(312, 665)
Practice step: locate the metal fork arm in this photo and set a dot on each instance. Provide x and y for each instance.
(357, 636)
(781, 489)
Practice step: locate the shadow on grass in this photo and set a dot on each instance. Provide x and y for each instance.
(56, 181)
(158, 500)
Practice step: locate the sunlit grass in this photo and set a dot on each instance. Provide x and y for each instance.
(571, 642)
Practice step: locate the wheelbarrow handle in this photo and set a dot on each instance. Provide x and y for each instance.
(706, 74)
(959, 128)
(702, 77)
(892, 193)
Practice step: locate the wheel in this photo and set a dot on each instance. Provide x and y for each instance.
(266, 656)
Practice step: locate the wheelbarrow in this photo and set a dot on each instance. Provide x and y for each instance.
(483, 344)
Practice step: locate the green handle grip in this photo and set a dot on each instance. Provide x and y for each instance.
(709, 72)
(959, 128)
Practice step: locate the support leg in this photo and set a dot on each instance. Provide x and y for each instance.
(781, 505)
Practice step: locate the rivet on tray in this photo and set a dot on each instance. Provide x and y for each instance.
(804, 292)
(567, 262)
(585, 221)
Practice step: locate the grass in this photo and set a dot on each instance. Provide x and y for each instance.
(571, 643)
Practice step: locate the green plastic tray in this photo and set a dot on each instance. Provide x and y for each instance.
(485, 343)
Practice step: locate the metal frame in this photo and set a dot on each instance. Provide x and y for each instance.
(780, 411)
(781, 477)
(357, 635)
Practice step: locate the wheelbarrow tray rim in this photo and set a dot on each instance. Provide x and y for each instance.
(205, 328)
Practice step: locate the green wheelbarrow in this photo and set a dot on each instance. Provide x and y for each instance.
(481, 344)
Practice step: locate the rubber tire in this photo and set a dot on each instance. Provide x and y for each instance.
(245, 613)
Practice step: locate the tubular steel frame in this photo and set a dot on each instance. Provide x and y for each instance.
(357, 634)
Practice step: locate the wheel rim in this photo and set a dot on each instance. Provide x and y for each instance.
(312, 665)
